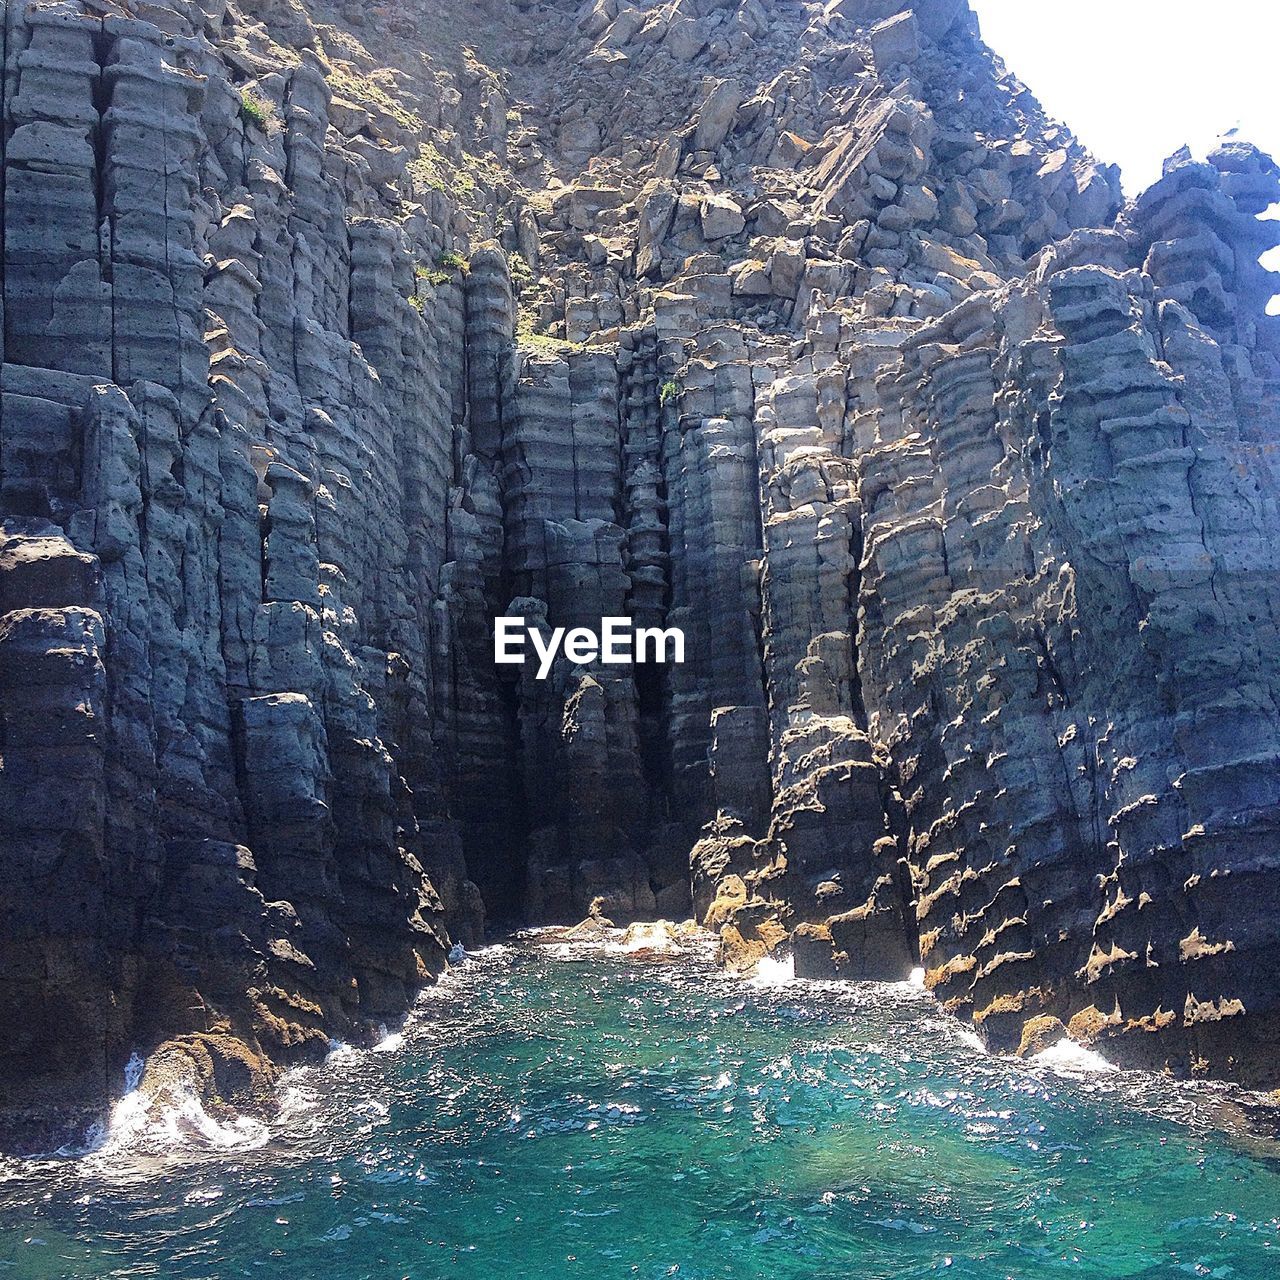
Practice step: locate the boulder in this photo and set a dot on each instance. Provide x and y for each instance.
(896, 41)
(717, 115)
(722, 217)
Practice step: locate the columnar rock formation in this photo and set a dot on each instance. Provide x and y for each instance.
(332, 332)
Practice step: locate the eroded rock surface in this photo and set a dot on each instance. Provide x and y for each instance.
(331, 332)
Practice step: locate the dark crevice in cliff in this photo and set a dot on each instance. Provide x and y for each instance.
(4, 182)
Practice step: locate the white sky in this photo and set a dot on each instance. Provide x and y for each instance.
(1136, 79)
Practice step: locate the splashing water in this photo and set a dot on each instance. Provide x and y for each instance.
(390, 1041)
(775, 971)
(539, 1119)
(1068, 1057)
(648, 937)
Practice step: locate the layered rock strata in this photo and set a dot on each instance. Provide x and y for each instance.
(330, 333)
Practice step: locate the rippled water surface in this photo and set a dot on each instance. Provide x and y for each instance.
(546, 1118)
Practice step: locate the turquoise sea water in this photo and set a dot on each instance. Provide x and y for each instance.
(544, 1118)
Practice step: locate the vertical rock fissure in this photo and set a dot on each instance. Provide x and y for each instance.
(5, 20)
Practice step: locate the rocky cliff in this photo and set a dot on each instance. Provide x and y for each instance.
(331, 332)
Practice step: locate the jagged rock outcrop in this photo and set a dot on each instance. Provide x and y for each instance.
(223, 557)
(332, 332)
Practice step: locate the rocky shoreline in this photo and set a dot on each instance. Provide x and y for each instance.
(193, 1098)
(332, 332)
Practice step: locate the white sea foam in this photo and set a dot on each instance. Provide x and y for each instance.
(1072, 1059)
(775, 971)
(493, 951)
(129, 1115)
(916, 979)
(125, 1123)
(643, 938)
(658, 935)
(184, 1120)
(143, 1122)
(569, 950)
(295, 1098)
(389, 1042)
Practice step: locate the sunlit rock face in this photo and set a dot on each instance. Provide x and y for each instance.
(331, 333)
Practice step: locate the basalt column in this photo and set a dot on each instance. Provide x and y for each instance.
(480, 716)
(563, 492)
